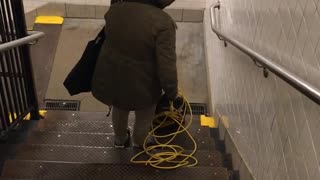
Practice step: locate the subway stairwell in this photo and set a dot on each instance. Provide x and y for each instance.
(72, 144)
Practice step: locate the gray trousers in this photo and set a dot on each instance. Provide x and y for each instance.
(142, 125)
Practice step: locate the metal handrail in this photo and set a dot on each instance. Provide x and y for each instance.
(32, 36)
(304, 87)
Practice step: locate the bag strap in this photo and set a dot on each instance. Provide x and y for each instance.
(101, 36)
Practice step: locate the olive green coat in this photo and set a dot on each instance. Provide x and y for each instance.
(138, 58)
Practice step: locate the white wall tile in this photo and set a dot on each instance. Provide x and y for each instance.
(180, 10)
(54, 9)
(192, 15)
(185, 4)
(79, 11)
(288, 32)
(176, 14)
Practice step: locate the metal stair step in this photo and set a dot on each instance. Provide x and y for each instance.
(72, 139)
(100, 155)
(55, 170)
(76, 126)
(106, 140)
(65, 116)
(101, 127)
(71, 116)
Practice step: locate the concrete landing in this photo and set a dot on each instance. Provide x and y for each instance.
(43, 55)
(77, 32)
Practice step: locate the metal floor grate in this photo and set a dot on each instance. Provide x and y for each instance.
(65, 105)
(198, 109)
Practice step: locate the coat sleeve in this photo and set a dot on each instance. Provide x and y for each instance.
(167, 58)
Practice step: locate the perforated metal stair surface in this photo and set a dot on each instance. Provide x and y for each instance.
(77, 145)
(76, 116)
(100, 155)
(106, 139)
(49, 170)
(92, 126)
(95, 132)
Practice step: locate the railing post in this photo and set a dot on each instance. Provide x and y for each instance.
(22, 32)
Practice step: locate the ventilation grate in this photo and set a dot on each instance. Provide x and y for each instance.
(198, 109)
(62, 105)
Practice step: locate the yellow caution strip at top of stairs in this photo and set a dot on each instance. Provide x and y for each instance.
(49, 20)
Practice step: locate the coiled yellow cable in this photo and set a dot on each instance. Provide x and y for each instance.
(168, 156)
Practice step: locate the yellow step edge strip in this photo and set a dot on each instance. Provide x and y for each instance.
(208, 122)
(27, 118)
(49, 20)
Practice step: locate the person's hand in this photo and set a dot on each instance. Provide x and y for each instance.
(173, 94)
(178, 101)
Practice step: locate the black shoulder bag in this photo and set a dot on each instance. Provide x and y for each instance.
(79, 80)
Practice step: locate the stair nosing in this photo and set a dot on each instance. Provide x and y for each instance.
(70, 132)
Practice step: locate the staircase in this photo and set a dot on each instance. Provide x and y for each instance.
(79, 145)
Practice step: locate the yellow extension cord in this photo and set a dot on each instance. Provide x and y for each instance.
(169, 153)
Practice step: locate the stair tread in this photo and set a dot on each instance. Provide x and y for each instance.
(72, 139)
(55, 170)
(106, 140)
(100, 155)
(84, 116)
(76, 115)
(74, 125)
(102, 127)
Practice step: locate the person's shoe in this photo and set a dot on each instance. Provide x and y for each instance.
(126, 144)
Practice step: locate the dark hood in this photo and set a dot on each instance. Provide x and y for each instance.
(158, 3)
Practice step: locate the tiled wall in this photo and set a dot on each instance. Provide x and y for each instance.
(180, 10)
(189, 4)
(275, 128)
